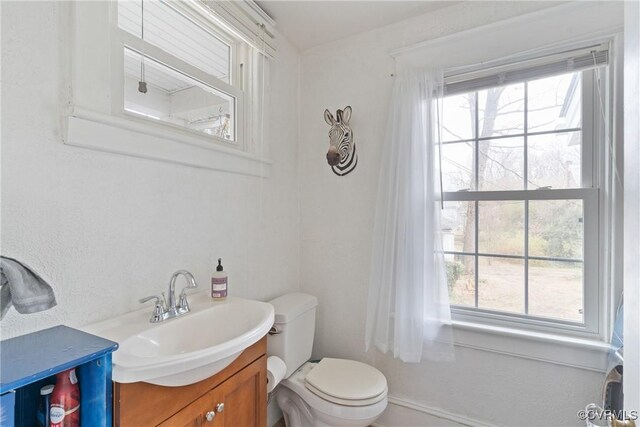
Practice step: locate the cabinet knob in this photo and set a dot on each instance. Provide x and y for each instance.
(220, 407)
(210, 416)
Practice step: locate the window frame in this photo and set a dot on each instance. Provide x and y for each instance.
(240, 68)
(593, 180)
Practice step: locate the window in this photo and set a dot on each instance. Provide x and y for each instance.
(521, 189)
(203, 63)
(191, 69)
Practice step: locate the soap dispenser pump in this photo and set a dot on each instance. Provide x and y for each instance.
(219, 282)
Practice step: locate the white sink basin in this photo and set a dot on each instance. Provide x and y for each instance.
(189, 348)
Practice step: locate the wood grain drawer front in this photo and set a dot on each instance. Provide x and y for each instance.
(240, 401)
(195, 415)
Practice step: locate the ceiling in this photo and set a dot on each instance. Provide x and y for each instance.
(308, 23)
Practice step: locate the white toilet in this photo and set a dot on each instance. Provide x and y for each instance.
(331, 392)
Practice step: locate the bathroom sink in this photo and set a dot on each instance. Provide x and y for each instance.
(186, 349)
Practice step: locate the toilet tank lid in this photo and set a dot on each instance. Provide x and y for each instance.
(289, 306)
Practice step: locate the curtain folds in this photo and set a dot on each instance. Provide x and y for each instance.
(408, 309)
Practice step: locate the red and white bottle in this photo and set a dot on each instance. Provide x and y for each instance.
(65, 400)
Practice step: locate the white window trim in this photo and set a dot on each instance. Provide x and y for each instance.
(123, 39)
(111, 134)
(575, 352)
(595, 294)
(590, 197)
(133, 43)
(120, 132)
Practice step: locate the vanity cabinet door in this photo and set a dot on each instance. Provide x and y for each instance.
(240, 401)
(244, 396)
(201, 413)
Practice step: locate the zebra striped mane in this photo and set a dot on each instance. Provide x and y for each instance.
(349, 164)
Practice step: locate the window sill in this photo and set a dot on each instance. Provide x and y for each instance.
(575, 352)
(96, 131)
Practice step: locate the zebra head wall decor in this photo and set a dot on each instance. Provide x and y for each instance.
(342, 156)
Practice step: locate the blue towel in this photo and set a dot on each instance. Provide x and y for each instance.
(21, 287)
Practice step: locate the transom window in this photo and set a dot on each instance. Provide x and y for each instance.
(521, 214)
(189, 66)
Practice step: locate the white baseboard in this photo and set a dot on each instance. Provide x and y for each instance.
(405, 413)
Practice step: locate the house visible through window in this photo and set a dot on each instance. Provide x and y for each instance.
(521, 213)
(187, 65)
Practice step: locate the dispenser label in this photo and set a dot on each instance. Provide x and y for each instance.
(218, 287)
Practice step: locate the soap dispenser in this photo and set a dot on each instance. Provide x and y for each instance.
(219, 282)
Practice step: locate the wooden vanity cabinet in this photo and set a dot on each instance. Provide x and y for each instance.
(234, 397)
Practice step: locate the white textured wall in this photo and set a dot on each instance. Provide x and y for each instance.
(632, 207)
(106, 229)
(337, 221)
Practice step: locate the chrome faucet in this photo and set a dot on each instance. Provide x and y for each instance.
(164, 309)
(182, 307)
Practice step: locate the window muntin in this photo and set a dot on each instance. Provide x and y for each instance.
(514, 223)
(498, 115)
(176, 98)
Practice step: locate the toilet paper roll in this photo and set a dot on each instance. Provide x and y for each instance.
(275, 372)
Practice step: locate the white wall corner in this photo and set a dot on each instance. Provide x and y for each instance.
(632, 207)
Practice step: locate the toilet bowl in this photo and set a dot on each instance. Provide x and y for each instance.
(304, 405)
(329, 392)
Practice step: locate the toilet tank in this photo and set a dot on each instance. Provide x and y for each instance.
(295, 321)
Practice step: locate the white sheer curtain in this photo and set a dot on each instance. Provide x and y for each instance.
(408, 309)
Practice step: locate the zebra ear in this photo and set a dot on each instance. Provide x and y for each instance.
(328, 117)
(346, 115)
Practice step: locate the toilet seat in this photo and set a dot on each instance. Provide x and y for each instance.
(346, 382)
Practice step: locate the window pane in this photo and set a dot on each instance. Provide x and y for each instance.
(458, 226)
(555, 290)
(458, 117)
(501, 110)
(501, 227)
(556, 228)
(501, 164)
(457, 166)
(554, 160)
(172, 32)
(555, 103)
(175, 98)
(501, 284)
(461, 279)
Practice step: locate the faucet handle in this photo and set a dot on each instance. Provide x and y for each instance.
(183, 304)
(158, 311)
(158, 299)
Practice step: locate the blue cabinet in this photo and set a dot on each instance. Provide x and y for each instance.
(30, 361)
